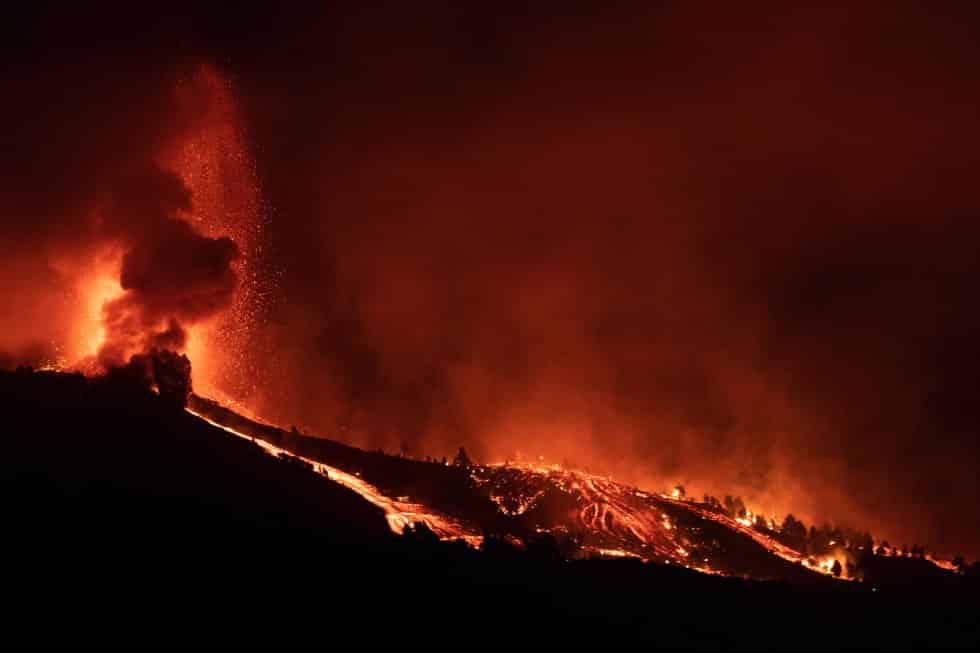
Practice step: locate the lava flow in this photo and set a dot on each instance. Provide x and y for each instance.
(584, 515)
(589, 514)
(609, 518)
(399, 514)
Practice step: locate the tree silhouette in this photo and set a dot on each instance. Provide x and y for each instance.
(420, 534)
(497, 545)
(462, 459)
(167, 371)
(866, 543)
(734, 507)
(739, 506)
(712, 502)
(544, 547)
(793, 533)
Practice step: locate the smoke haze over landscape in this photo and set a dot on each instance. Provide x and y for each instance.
(733, 249)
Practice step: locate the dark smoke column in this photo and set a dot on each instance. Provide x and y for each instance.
(173, 277)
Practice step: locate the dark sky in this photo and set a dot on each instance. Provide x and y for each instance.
(732, 246)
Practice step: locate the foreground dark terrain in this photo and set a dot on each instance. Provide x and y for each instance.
(585, 515)
(116, 502)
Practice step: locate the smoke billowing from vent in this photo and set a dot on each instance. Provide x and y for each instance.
(108, 253)
(171, 275)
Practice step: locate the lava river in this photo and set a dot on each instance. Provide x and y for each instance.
(613, 519)
(399, 514)
(601, 517)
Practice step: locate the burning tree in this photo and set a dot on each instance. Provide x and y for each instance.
(735, 507)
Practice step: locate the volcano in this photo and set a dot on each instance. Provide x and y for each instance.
(583, 515)
(110, 490)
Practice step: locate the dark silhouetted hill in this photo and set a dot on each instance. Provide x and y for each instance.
(452, 490)
(119, 509)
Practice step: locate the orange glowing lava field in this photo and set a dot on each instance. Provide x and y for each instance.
(447, 324)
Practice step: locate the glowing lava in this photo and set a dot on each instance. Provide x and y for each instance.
(588, 515)
(215, 163)
(103, 289)
(88, 332)
(615, 520)
(399, 514)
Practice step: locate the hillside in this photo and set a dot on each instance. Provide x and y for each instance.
(116, 501)
(588, 515)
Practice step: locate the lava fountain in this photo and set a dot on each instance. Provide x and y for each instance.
(215, 163)
(174, 264)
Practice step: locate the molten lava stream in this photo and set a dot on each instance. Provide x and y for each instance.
(624, 521)
(399, 514)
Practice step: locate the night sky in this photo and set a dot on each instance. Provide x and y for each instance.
(729, 246)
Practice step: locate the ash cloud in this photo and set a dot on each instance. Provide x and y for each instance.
(171, 275)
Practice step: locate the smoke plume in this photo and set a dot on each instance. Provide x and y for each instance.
(171, 275)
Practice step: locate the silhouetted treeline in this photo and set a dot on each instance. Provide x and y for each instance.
(856, 547)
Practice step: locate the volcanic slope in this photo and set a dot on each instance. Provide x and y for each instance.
(118, 505)
(586, 513)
